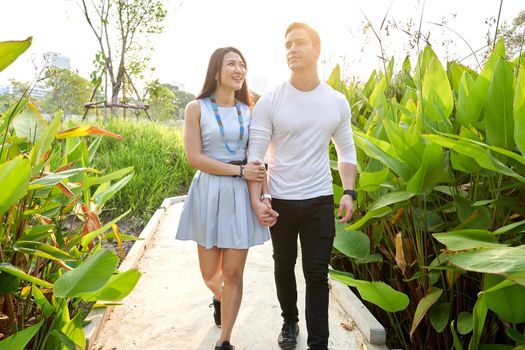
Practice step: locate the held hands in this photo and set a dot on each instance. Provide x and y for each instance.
(267, 216)
(346, 205)
(254, 171)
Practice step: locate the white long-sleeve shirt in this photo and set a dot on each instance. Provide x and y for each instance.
(295, 127)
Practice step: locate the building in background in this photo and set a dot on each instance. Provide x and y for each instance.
(40, 90)
(6, 89)
(58, 60)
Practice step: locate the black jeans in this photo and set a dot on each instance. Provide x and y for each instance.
(313, 220)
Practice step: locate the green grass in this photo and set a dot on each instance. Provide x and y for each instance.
(161, 170)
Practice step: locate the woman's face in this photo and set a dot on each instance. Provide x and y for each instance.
(233, 71)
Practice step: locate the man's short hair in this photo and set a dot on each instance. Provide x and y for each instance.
(312, 33)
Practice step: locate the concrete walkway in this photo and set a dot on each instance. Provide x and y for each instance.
(169, 307)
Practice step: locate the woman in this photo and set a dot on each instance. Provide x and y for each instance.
(217, 213)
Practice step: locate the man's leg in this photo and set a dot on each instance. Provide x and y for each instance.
(317, 231)
(284, 240)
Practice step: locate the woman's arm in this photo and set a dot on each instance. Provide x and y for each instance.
(196, 159)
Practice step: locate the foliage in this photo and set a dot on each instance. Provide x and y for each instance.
(122, 28)
(514, 35)
(439, 214)
(166, 101)
(52, 267)
(156, 153)
(69, 92)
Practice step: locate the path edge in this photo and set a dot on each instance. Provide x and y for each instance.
(98, 316)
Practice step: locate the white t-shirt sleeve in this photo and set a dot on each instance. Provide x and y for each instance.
(261, 130)
(343, 137)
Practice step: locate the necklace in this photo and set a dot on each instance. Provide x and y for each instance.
(221, 126)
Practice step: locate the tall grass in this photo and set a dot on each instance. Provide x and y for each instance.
(161, 170)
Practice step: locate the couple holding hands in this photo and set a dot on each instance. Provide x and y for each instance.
(233, 204)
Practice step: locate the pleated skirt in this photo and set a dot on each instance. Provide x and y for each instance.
(217, 213)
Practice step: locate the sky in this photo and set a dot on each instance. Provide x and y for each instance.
(195, 28)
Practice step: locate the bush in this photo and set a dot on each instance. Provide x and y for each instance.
(156, 152)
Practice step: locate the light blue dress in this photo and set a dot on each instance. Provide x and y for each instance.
(217, 211)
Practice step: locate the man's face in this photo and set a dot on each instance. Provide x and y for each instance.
(300, 51)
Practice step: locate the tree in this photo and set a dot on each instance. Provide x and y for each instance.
(166, 101)
(514, 35)
(122, 28)
(69, 92)
(160, 99)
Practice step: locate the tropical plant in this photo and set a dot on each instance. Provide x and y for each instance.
(436, 245)
(53, 268)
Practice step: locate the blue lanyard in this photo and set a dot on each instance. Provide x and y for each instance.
(221, 126)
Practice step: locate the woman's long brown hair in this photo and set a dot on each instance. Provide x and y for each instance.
(214, 69)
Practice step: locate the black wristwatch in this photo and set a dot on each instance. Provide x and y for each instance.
(352, 193)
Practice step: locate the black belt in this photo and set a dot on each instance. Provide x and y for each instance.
(238, 162)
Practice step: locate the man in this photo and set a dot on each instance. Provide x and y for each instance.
(296, 121)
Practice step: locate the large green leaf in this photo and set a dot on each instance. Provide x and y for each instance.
(438, 101)
(10, 50)
(109, 177)
(44, 305)
(504, 261)
(65, 342)
(11, 113)
(439, 314)
(42, 250)
(391, 198)
(102, 197)
(506, 302)
(19, 340)
(519, 112)
(365, 143)
(74, 334)
(378, 293)
(44, 143)
(29, 124)
(372, 181)
(8, 283)
(431, 171)
(490, 66)
(37, 233)
(117, 288)
(482, 156)
(370, 214)
(467, 239)
(88, 277)
(379, 92)
(54, 178)
(354, 244)
(15, 271)
(431, 297)
(14, 177)
(479, 315)
(465, 322)
(471, 99)
(499, 121)
(407, 146)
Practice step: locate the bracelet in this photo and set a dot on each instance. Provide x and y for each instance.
(241, 171)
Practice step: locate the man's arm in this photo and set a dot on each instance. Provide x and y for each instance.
(260, 135)
(347, 160)
(347, 172)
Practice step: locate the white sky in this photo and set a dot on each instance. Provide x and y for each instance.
(193, 30)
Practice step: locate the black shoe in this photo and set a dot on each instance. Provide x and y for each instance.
(217, 313)
(225, 346)
(288, 337)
